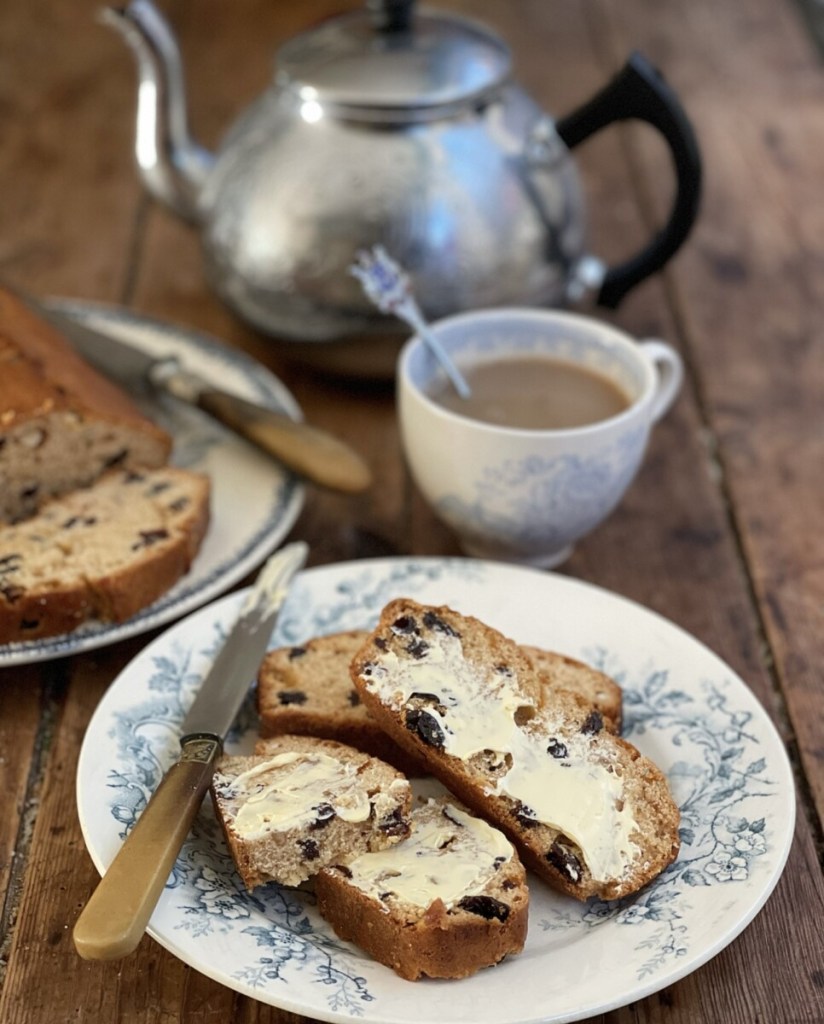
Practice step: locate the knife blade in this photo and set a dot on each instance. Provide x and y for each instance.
(115, 918)
(308, 451)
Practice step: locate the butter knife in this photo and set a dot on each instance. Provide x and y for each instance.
(308, 451)
(115, 918)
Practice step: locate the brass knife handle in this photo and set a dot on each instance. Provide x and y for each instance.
(312, 453)
(115, 918)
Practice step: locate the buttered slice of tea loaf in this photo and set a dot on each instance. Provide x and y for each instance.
(306, 689)
(587, 812)
(102, 553)
(300, 804)
(444, 903)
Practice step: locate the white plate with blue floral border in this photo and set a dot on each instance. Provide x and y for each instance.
(684, 708)
(254, 499)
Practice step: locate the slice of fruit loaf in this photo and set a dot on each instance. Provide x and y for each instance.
(300, 804)
(306, 690)
(587, 812)
(101, 553)
(446, 902)
(63, 424)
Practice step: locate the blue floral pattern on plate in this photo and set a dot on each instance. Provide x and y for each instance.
(718, 842)
(683, 707)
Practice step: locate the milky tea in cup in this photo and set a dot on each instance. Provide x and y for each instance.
(549, 440)
(534, 392)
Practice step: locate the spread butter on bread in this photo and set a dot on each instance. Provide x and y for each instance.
(444, 903)
(300, 804)
(306, 689)
(587, 812)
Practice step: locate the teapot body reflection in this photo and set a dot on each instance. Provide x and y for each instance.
(403, 128)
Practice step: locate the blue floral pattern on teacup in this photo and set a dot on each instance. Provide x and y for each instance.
(543, 503)
(525, 495)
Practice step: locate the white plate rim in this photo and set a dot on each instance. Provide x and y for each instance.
(779, 765)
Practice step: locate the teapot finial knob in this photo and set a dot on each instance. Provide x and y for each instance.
(391, 15)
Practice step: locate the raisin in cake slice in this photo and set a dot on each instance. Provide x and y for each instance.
(587, 812)
(299, 804)
(446, 902)
(305, 690)
(102, 553)
(63, 424)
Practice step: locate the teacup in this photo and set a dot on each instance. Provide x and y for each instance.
(527, 494)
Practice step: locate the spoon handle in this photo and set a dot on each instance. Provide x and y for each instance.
(387, 285)
(412, 315)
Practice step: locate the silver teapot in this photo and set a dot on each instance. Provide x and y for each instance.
(400, 127)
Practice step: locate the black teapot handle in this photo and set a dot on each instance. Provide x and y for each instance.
(640, 91)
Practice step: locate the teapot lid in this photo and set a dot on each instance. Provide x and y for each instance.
(387, 62)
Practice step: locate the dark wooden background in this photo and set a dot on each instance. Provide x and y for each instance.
(722, 531)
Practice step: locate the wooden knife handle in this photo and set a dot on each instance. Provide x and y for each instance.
(115, 918)
(313, 453)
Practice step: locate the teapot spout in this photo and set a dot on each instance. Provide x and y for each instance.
(172, 166)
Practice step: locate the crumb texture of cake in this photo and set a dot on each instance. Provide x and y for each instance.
(558, 671)
(449, 900)
(587, 812)
(306, 690)
(62, 424)
(100, 553)
(299, 804)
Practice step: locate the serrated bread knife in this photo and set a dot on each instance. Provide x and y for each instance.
(312, 453)
(115, 918)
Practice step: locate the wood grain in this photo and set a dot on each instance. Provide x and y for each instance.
(761, 373)
(69, 194)
(21, 710)
(720, 532)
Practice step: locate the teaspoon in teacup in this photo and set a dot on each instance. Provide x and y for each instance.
(388, 286)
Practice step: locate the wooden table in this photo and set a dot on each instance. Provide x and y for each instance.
(721, 531)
